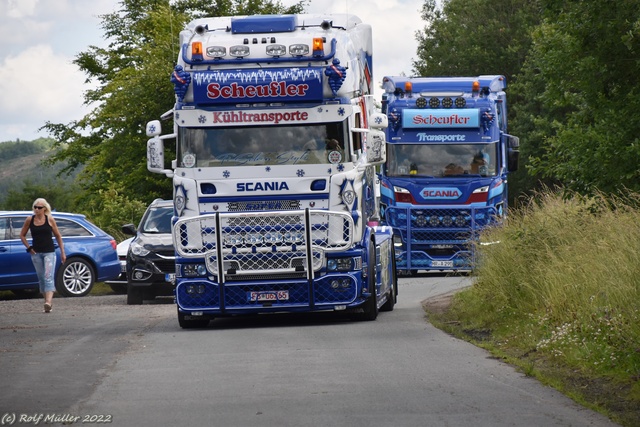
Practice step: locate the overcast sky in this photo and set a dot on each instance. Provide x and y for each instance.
(40, 38)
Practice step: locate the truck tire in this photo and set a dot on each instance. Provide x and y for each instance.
(191, 323)
(392, 298)
(370, 306)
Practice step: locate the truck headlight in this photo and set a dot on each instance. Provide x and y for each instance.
(340, 264)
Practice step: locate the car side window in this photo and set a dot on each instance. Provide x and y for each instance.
(69, 228)
(5, 232)
(15, 226)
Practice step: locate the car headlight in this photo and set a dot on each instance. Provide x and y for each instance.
(139, 250)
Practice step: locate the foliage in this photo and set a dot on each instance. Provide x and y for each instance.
(475, 37)
(58, 192)
(481, 37)
(24, 177)
(113, 209)
(14, 149)
(563, 283)
(133, 87)
(582, 80)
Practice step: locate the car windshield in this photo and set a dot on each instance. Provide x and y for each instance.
(441, 160)
(158, 220)
(261, 145)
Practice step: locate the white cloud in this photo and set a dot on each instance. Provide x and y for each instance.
(19, 8)
(38, 42)
(38, 86)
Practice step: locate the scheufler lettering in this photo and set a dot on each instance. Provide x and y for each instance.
(273, 89)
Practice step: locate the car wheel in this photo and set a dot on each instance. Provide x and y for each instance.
(191, 323)
(135, 296)
(75, 278)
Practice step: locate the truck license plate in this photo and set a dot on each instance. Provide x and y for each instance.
(268, 296)
(441, 263)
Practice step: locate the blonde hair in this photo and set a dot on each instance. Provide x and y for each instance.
(42, 202)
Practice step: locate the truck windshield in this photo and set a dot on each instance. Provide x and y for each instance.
(262, 145)
(441, 160)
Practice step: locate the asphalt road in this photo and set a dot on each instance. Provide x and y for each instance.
(95, 359)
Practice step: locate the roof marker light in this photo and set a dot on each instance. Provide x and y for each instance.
(196, 51)
(476, 86)
(318, 46)
(408, 87)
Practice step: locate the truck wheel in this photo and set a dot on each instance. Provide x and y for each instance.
(75, 278)
(134, 295)
(392, 298)
(371, 305)
(191, 323)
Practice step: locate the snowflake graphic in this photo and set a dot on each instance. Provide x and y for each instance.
(341, 111)
(329, 171)
(226, 174)
(152, 129)
(300, 173)
(268, 169)
(340, 167)
(202, 119)
(378, 120)
(319, 109)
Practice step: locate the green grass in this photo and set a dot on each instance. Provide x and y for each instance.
(560, 297)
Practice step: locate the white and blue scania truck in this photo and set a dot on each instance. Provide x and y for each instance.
(448, 159)
(274, 179)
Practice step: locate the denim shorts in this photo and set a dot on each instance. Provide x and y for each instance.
(45, 264)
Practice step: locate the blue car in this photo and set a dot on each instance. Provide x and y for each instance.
(91, 255)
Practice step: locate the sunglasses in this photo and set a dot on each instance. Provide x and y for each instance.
(38, 207)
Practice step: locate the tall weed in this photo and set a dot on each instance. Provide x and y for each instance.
(562, 277)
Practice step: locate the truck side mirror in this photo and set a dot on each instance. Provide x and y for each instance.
(376, 147)
(379, 121)
(155, 157)
(513, 150)
(154, 128)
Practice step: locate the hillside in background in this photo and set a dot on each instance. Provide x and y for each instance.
(21, 164)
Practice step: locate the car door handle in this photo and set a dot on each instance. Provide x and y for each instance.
(3, 249)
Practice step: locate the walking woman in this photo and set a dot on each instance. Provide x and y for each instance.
(43, 254)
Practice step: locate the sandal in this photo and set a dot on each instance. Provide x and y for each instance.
(47, 307)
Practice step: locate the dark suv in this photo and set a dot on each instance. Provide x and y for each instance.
(151, 264)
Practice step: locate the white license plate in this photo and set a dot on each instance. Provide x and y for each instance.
(170, 277)
(441, 263)
(268, 296)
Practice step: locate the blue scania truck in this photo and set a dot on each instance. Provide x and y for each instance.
(448, 159)
(274, 178)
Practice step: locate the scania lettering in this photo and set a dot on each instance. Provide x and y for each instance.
(448, 159)
(277, 141)
(262, 186)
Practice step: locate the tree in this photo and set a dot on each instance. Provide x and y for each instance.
(582, 85)
(476, 37)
